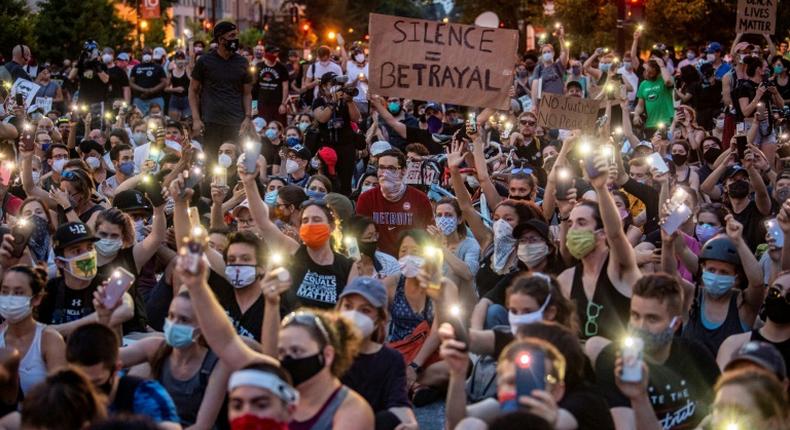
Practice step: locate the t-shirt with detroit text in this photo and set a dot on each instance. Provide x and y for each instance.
(412, 211)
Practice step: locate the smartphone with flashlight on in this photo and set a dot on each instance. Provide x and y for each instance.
(678, 214)
(564, 183)
(775, 232)
(192, 251)
(251, 151)
(631, 355)
(21, 232)
(472, 122)
(352, 248)
(530, 371)
(657, 162)
(740, 145)
(459, 329)
(434, 259)
(120, 281)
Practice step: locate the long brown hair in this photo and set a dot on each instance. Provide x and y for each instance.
(164, 351)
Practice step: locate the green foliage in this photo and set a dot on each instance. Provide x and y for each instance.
(250, 36)
(15, 26)
(340, 15)
(69, 23)
(588, 24)
(673, 22)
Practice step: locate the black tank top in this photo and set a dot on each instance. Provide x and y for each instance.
(712, 338)
(783, 346)
(314, 285)
(607, 313)
(182, 82)
(486, 277)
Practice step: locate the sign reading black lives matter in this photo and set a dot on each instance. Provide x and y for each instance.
(443, 62)
(756, 16)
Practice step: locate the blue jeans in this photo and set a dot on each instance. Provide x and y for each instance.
(496, 315)
(145, 105)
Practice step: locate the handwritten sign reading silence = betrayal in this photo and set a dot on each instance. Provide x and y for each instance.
(443, 62)
(568, 113)
(756, 16)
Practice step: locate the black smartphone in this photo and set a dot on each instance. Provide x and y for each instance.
(196, 175)
(21, 232)
(19, 99)
(461, 335)
(740, 146)
(564, 183)
(530, 372)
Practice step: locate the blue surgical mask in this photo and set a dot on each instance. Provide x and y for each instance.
(547, 57)
(627, 65)
(447, 224)
(605, 67)
(127, 168)
(303, 126)
(314, 195)
(178, 335)
(717, 285)
(271, 133)
(291, 141)
(270, 198)
(394, 108)
(705, 232)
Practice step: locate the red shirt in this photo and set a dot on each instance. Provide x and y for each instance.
(412, 211)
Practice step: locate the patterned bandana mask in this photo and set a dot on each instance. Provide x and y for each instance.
(39, 241)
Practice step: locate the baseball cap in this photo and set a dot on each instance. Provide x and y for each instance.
(434, 106)
(743, 45)
(713, 47)
(132, 200)
(329, 157)
(762, 354)
(123, 56)
(370, 288)
(535, 225)
(245, 204)
(159, 52)
(378, 147)
(644, 143)
(272, 48)
(221, 28)
(301, 152)
(71, 234)
(733, 170)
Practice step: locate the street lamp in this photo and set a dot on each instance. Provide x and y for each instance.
(331, 35)
(143, 25)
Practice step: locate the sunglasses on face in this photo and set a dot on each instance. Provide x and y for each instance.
(528, 122)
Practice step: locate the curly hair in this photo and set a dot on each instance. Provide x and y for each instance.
(37, 276)
(342, 335)
(121, 219)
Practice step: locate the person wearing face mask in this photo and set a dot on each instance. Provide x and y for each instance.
(684, 174)
(670, 364)
(407, 207)
(318, 69)
(49, 88)
(547, 77)
(654, 97)
(521, 81)
(93, 349)
(220, 92)
(628, 71)
(372, 263)
(189, 371)
(356, 67)
(710, 149)
(691, 59)
(148, 81)
(433, 123)
(122, 159)
(178, 88)
(296, 162)
(600, 283)
(68, 303)
(117, 247)
(781, 77)
(378, 373)
(42, 348)
(91, 73)
(119, 78)
(713, 55)
(272, 86)
(730, 291)
(739, 181)
(395, 108)
(776, 331)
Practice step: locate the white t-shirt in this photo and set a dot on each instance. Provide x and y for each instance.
(316, 70)
(632, 80)
(353, 73)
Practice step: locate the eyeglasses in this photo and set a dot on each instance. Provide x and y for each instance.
(247, 222)
(388, 168)
(306, 318)
(776, 293)
(528, 122)
(593, 312)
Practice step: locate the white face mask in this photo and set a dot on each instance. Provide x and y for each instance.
(362, 321)
(548, 57)
(291, 166)
(720, 123)
(36, 176)
(410, 265)
(241, 276)
(710, 57)
(106, 58)
(532, 254)
(108, 247)
(58, 165)
(365, 188)
(530, 318)
(359, 58)
(93, 162)
(14, 308)
(147, 58)
(225, 160)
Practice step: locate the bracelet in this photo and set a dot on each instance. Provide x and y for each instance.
(68, 209)
(564, 219)
(417, 368)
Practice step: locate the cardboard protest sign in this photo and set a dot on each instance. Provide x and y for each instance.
(27, 88)
(443, 62)
(567, 112)
(44, 103)
(756, 16)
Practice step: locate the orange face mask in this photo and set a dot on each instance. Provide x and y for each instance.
(314, 235)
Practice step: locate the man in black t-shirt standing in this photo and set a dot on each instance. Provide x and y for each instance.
(272, 87)
(220, 92)
(94, 81)
(678, 374)
(148, 80)
(119, 80)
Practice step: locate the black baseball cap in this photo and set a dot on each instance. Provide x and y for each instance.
(131, 201)
(71, 234)
(762, 354)
(535, 225)
(301, 152)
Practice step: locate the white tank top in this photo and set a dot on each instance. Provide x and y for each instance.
(32, 368)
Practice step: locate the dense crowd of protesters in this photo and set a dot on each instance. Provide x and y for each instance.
(233, 237)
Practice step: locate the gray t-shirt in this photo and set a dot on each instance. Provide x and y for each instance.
(222, 87)
(552, 75)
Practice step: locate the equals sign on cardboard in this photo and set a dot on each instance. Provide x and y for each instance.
(432, 56)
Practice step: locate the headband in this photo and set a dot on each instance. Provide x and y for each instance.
(266, 381)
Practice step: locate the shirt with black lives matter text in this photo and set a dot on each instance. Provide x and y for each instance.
(315, 285)
(680, 390)
(412, 211)
(247, 324)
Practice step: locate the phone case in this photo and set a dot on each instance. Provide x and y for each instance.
(530, 372)
(676, 218)
(658, 163)
(21, 233)
(120, 282)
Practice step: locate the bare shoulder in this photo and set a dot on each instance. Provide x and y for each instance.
(51, 335)
(565, 279)
(355, 409)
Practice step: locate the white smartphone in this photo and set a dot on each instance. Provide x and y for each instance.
(656, 161)
(632, 359)
(676, 218)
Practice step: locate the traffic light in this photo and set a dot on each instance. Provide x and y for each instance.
(635, 10)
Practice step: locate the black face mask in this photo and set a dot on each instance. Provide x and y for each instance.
(679, 159)
(232, 45)
(302, 369)
(711, 155)
(738, 189)
(367, 248)
(776, 307)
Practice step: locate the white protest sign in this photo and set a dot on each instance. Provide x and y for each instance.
(28, 90)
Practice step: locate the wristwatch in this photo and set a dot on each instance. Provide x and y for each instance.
(565, 218)
(68, 209)
(417, 368)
